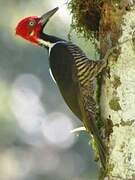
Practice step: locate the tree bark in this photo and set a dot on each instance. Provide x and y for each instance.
(117, 100)
(113, 21)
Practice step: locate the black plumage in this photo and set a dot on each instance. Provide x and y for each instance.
(74, 74)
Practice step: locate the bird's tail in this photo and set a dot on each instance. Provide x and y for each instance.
(99, 143)
(89, 120)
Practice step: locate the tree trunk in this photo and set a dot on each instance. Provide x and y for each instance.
(117, 100)
(114, 22)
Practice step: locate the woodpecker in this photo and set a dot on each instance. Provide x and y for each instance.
(73, 72)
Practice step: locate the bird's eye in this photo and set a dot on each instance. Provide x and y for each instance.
(32, 23)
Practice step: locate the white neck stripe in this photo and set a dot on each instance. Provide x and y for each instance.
(48, 44)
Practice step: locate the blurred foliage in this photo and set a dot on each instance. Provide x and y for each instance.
(28, 96)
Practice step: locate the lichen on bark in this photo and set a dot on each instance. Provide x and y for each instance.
(114, 104)
(121, 143)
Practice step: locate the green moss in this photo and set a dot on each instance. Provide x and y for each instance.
(116, 82)
(94, 146)
(116, 1)
(86, 17)
(114, 104)
(110, 168)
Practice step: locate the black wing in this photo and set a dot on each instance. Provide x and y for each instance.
(64, 71)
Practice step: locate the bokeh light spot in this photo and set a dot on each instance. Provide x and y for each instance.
(57, 129)
(26, 104)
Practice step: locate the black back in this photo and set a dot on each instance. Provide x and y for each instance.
(63, 69)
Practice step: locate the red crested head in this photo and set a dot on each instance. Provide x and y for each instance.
(31, 27)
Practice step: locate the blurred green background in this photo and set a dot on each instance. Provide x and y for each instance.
(35, 123)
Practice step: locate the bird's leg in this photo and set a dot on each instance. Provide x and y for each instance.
(101, 64)
(111, 50)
